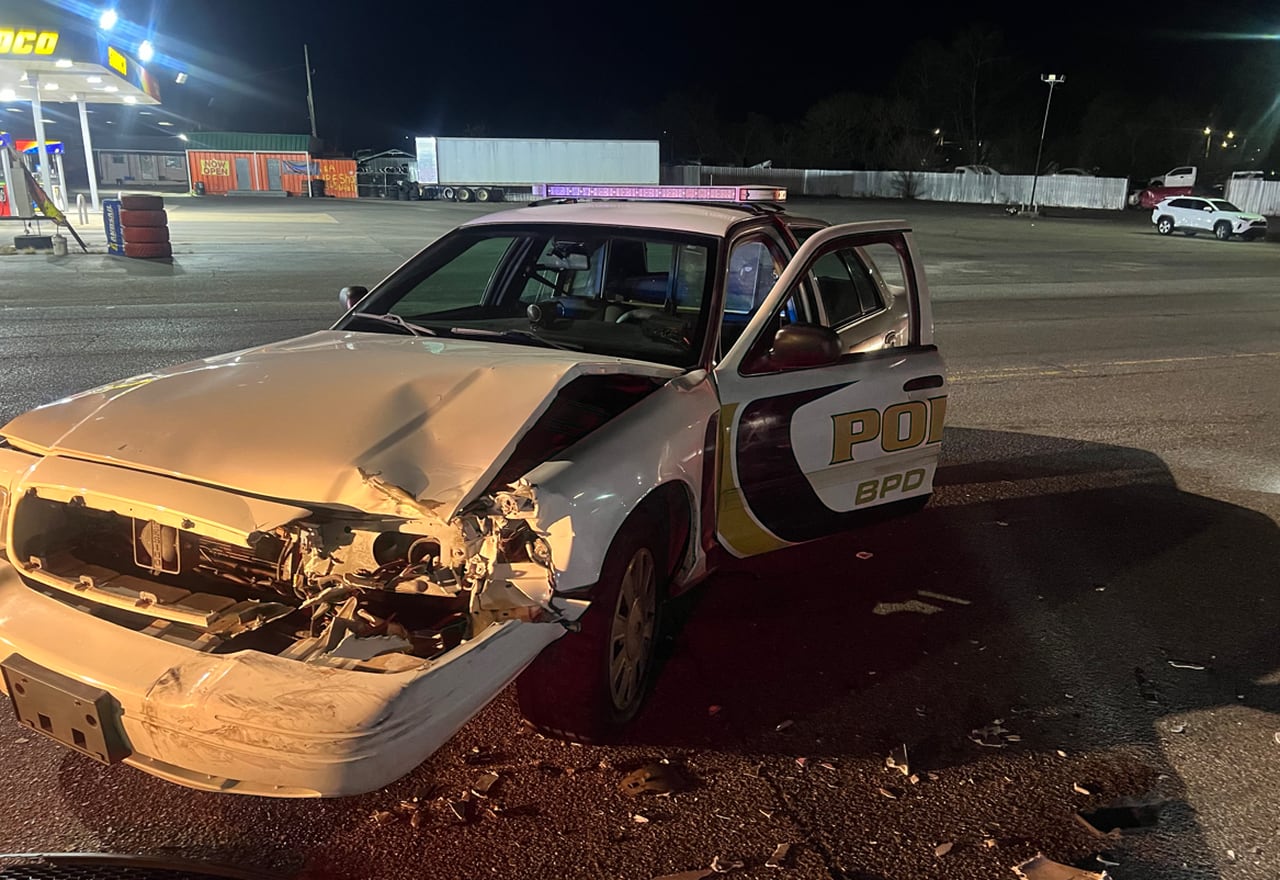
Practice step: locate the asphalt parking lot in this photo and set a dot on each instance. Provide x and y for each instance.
(1105, 525)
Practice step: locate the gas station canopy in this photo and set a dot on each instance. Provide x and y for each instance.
(45, 59)
(69, 66)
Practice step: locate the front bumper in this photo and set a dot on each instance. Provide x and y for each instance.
(252, 723)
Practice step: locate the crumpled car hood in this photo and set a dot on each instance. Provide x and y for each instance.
(296, 420)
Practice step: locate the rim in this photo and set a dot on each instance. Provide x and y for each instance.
(631, 635)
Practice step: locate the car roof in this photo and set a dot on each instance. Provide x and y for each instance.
(696, 218)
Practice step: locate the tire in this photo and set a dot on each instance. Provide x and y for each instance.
(141, 203)
(578, 688)
(465, 195)
(150, 251)
(144, 218)
(482, 195)
(448, 194)
(1222, 230)
(1164, 225)
(430, 193)
(146, 234)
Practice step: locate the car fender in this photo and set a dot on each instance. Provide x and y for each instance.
(585, 493)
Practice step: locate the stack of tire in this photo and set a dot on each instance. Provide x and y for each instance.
(146, 227)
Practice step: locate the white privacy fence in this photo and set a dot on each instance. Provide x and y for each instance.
(1055, 191)
(1258, 196)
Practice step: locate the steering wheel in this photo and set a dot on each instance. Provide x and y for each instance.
(635, 316)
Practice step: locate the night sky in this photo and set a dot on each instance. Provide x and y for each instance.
(386, 72)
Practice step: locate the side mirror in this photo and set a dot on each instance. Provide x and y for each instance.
(350, 296)
(797, 346)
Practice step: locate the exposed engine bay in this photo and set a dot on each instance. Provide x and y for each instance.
(375, 593)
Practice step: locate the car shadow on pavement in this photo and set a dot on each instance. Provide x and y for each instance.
(1079, 598)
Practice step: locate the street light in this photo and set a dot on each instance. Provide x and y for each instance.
(1052, 79)
(1208, 136)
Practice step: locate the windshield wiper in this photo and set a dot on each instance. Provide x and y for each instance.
(397, 321)
(523, 335)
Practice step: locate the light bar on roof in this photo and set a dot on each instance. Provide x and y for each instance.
(660, 193)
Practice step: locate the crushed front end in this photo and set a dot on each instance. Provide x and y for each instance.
(264, 646)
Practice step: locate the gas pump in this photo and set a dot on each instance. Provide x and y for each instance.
(30, 156)
(15, 192)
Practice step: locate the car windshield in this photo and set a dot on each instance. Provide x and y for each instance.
(642, 294)
(1224, 205)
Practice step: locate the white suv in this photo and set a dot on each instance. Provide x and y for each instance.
(1191, 214)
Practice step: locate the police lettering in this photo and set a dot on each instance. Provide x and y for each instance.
(870, 491)
(21, 41)
(901, 426)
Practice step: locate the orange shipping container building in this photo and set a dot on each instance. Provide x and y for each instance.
(231, 162)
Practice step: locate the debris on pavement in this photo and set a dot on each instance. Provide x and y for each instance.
(22, 740)
(1186, 664)
(942, 597)
(783, 725)
(990, 842)
(384, 817)
(657, 778)
(802, 763)
(482, 786)
(863, 555)
(942, 849)
(1103, 860)
(911, 605)
(890, 793)
(1041, 868)
(1080, 789)
(724, 867)
(1180, 727)
(713, 711)
(994, 736)
(897, 760)
(640, 820)
(1061, 753)
(1276, 737)
(697, 874)
(779, 857)
(1126, 814)
(1149, 689)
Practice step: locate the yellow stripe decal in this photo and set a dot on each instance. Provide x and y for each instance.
(738, 529)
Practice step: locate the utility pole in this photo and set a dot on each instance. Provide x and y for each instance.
(1052, 79)
(311, 103)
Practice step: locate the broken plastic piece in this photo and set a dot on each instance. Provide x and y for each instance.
(653, 779)
(942, 597)
(724, 867)
(911, 605)
(993, 736)
(863, 554)
(384, 817)
(484, 784)
(1184, 664)
(897, 760)
(943, 848)
(640, 820)
(783, 725)
(890, 793)
(1080, 789)
(1041, 868)
(779, 857)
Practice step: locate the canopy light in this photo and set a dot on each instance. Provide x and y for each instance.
(146, 51)
(108, 19)
(661, 193)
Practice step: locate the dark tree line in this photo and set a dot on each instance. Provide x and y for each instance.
(976, 100)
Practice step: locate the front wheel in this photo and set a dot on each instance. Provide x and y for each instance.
(1164, 225)
(1222, 231)
(588, 684)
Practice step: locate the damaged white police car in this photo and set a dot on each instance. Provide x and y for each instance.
(554, 417)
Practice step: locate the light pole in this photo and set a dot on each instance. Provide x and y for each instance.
(1208, 136)
(1052, 79)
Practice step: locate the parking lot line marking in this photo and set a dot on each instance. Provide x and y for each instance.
(1091, 368)
(248, 217)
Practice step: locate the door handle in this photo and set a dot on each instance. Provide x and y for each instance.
(922, 382)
